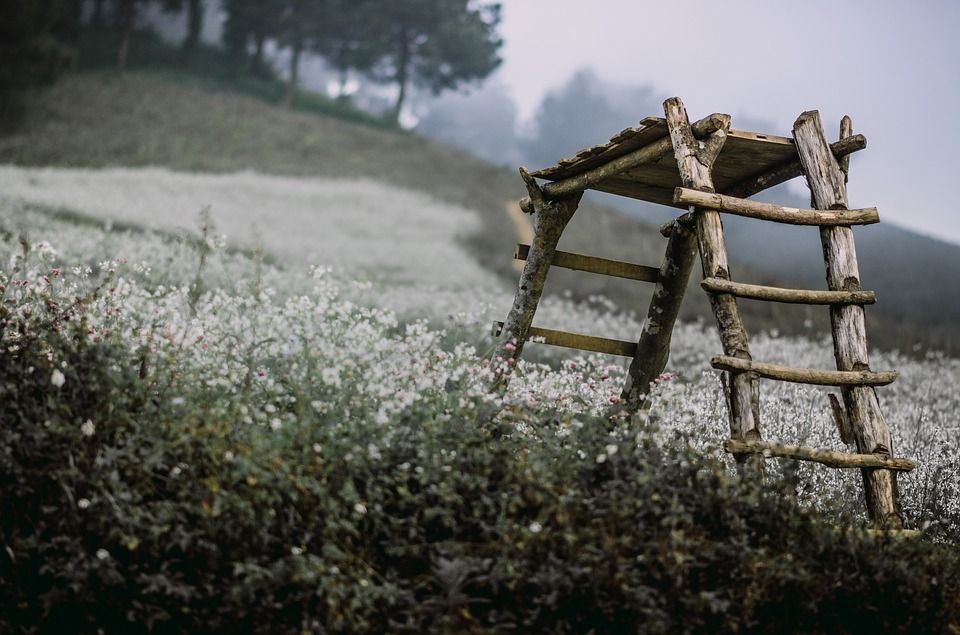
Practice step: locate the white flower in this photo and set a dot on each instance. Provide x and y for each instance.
(83, 503)
(175, 471)
(88, 428)
(296, 551)
(611, 449)
(535, 527)
(360, 508)
(317, 448)
(57, 378)
(102, 554)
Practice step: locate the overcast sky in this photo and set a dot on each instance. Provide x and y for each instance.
(892, 66)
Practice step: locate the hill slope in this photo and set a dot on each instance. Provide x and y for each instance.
(101, 119)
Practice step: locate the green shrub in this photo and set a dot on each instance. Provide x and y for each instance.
(168, 517)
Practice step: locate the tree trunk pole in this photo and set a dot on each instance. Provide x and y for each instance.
(550, 219)
(827, 183)
(194, 28)
(653, 349)
(695, 162)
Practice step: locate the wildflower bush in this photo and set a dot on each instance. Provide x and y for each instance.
(183, 456)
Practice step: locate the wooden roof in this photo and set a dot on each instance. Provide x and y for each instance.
(744, 155)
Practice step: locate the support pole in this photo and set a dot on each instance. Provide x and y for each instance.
(827, 182)
(653, 349)
(695, 162)
(550, 219)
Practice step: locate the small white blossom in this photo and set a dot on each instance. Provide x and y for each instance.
(83, 503)
(57, 378)
(102, 554)
(535, 527)
(360, 508)
(87, 428)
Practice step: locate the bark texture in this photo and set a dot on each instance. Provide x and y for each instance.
(828, 187)
(695, 163)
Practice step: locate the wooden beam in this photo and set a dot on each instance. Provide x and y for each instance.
(827, 184)
(789, 296)
(649, 153)
(825, 457)
(653, 347)
(577, 341)
(592, 264)
(775, 213)
(695, 163)
(791, 169)
(813, 376)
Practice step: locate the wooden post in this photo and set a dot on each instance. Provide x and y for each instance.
(550, 219)
(695, 162)
(653, 349)
(827, 182)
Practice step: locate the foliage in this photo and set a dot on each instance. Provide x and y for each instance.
(172, 518)
(438, 44)
(30, 53)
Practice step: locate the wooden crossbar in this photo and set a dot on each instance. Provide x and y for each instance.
(825, 457)
(813, 376)
(790, 296)
(577, 341)
(592, 264)
(775, 213)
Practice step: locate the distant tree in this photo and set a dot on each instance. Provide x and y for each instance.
(30, 53)
(191, 39)
(345, 35)
(297, 27)
(436, 44)
(250, 21)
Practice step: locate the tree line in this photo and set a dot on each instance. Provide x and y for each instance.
(429, 44)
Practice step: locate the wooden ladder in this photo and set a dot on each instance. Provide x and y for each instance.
(859, 419)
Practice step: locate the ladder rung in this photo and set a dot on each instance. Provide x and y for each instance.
(826, 457)
(792, 296)
(592, 264)
(806, 375)
(577, 341)
(776, 213)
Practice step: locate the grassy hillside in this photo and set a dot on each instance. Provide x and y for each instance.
(98, 119)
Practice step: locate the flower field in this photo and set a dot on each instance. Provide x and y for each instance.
(282, 435)
(317, 319)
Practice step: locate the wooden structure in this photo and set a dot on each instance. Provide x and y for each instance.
(706, 169)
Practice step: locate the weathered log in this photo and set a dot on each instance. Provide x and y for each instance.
(653, 347)
(827, 184)
(550, 219)
(577, 340)
(650, 153)
(776, 213)
(792, 169)
(593, 264)
(695, 172)
(789, 296)
(813, 376)
(825, 457)
(841, 419)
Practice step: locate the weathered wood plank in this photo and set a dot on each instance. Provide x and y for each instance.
(695, 171)
(775, 213)
(791, 169)
(577, 341)
(825, 457)
(806, 375)
(789, 296)
(828, 186)
(653, 347)
(593, 264)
